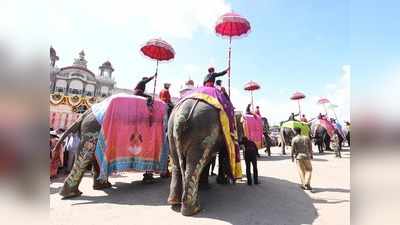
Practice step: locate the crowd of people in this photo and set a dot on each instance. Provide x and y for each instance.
(62, 160)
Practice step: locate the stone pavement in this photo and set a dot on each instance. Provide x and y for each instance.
(278, 200)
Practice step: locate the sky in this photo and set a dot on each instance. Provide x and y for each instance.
(293, 46)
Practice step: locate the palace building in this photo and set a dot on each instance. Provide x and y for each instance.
(74, 88)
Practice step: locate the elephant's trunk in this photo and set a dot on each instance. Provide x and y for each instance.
(73, 128)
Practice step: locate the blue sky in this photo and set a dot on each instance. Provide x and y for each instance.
(293, 46)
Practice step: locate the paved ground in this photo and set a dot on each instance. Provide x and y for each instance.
(278, 200)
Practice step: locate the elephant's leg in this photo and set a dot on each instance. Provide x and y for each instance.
(203, 182)
(84, 157)
(283, 148)
(320, 146)
(175, 194)
(196, 160)
(190, 197)
(98, 184)
(348, 138)
(327, 143)
(223, 168)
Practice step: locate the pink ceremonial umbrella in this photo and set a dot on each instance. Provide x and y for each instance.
(159, 50)
(251, 86)
(323, 101)
(298, 96)
(231, 25)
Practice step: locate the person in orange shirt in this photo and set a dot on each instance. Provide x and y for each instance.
(165, 96)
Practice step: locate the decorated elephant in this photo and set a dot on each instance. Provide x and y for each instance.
(140, 144)
(196, 133)
(88, 128)
(287, 132)
(321, 138)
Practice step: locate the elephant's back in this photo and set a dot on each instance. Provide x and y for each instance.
(195, 116)
(198, 111)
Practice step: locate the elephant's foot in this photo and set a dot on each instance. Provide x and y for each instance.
(190, 210)
(101, 185)
(67, 192)
(174, 201)
(148, 178)
(176, 207)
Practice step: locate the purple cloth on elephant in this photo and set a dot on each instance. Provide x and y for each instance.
(226, 104)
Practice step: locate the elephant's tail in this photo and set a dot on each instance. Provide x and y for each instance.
(181, 122)
(180, 125)
(73, 128)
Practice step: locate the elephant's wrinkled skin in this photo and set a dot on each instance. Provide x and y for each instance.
(195, 137)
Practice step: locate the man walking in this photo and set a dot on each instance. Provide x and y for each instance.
(336, 144)
(302, 151)
(250, 157)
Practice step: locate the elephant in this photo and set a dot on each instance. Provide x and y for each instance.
(287, 135)
(88, 128)
(195, 137)
(321, 138)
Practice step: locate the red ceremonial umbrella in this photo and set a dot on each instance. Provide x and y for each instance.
(323, 101)
(159, 50)
(251, 86)
(231, 25)
(298, 96)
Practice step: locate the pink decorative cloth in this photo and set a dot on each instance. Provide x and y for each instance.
(327, 125)
(127, 140)
(253, 129)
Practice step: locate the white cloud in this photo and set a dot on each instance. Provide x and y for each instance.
(172, 18)
(340, 95)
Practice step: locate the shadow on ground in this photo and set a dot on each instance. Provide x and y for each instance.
(236, 204)
(259, 204)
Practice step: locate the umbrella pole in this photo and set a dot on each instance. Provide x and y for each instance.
(334, 113)
(155, 82)
(229, 65)
(252, 103)
(298, 102)
(326, 112)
